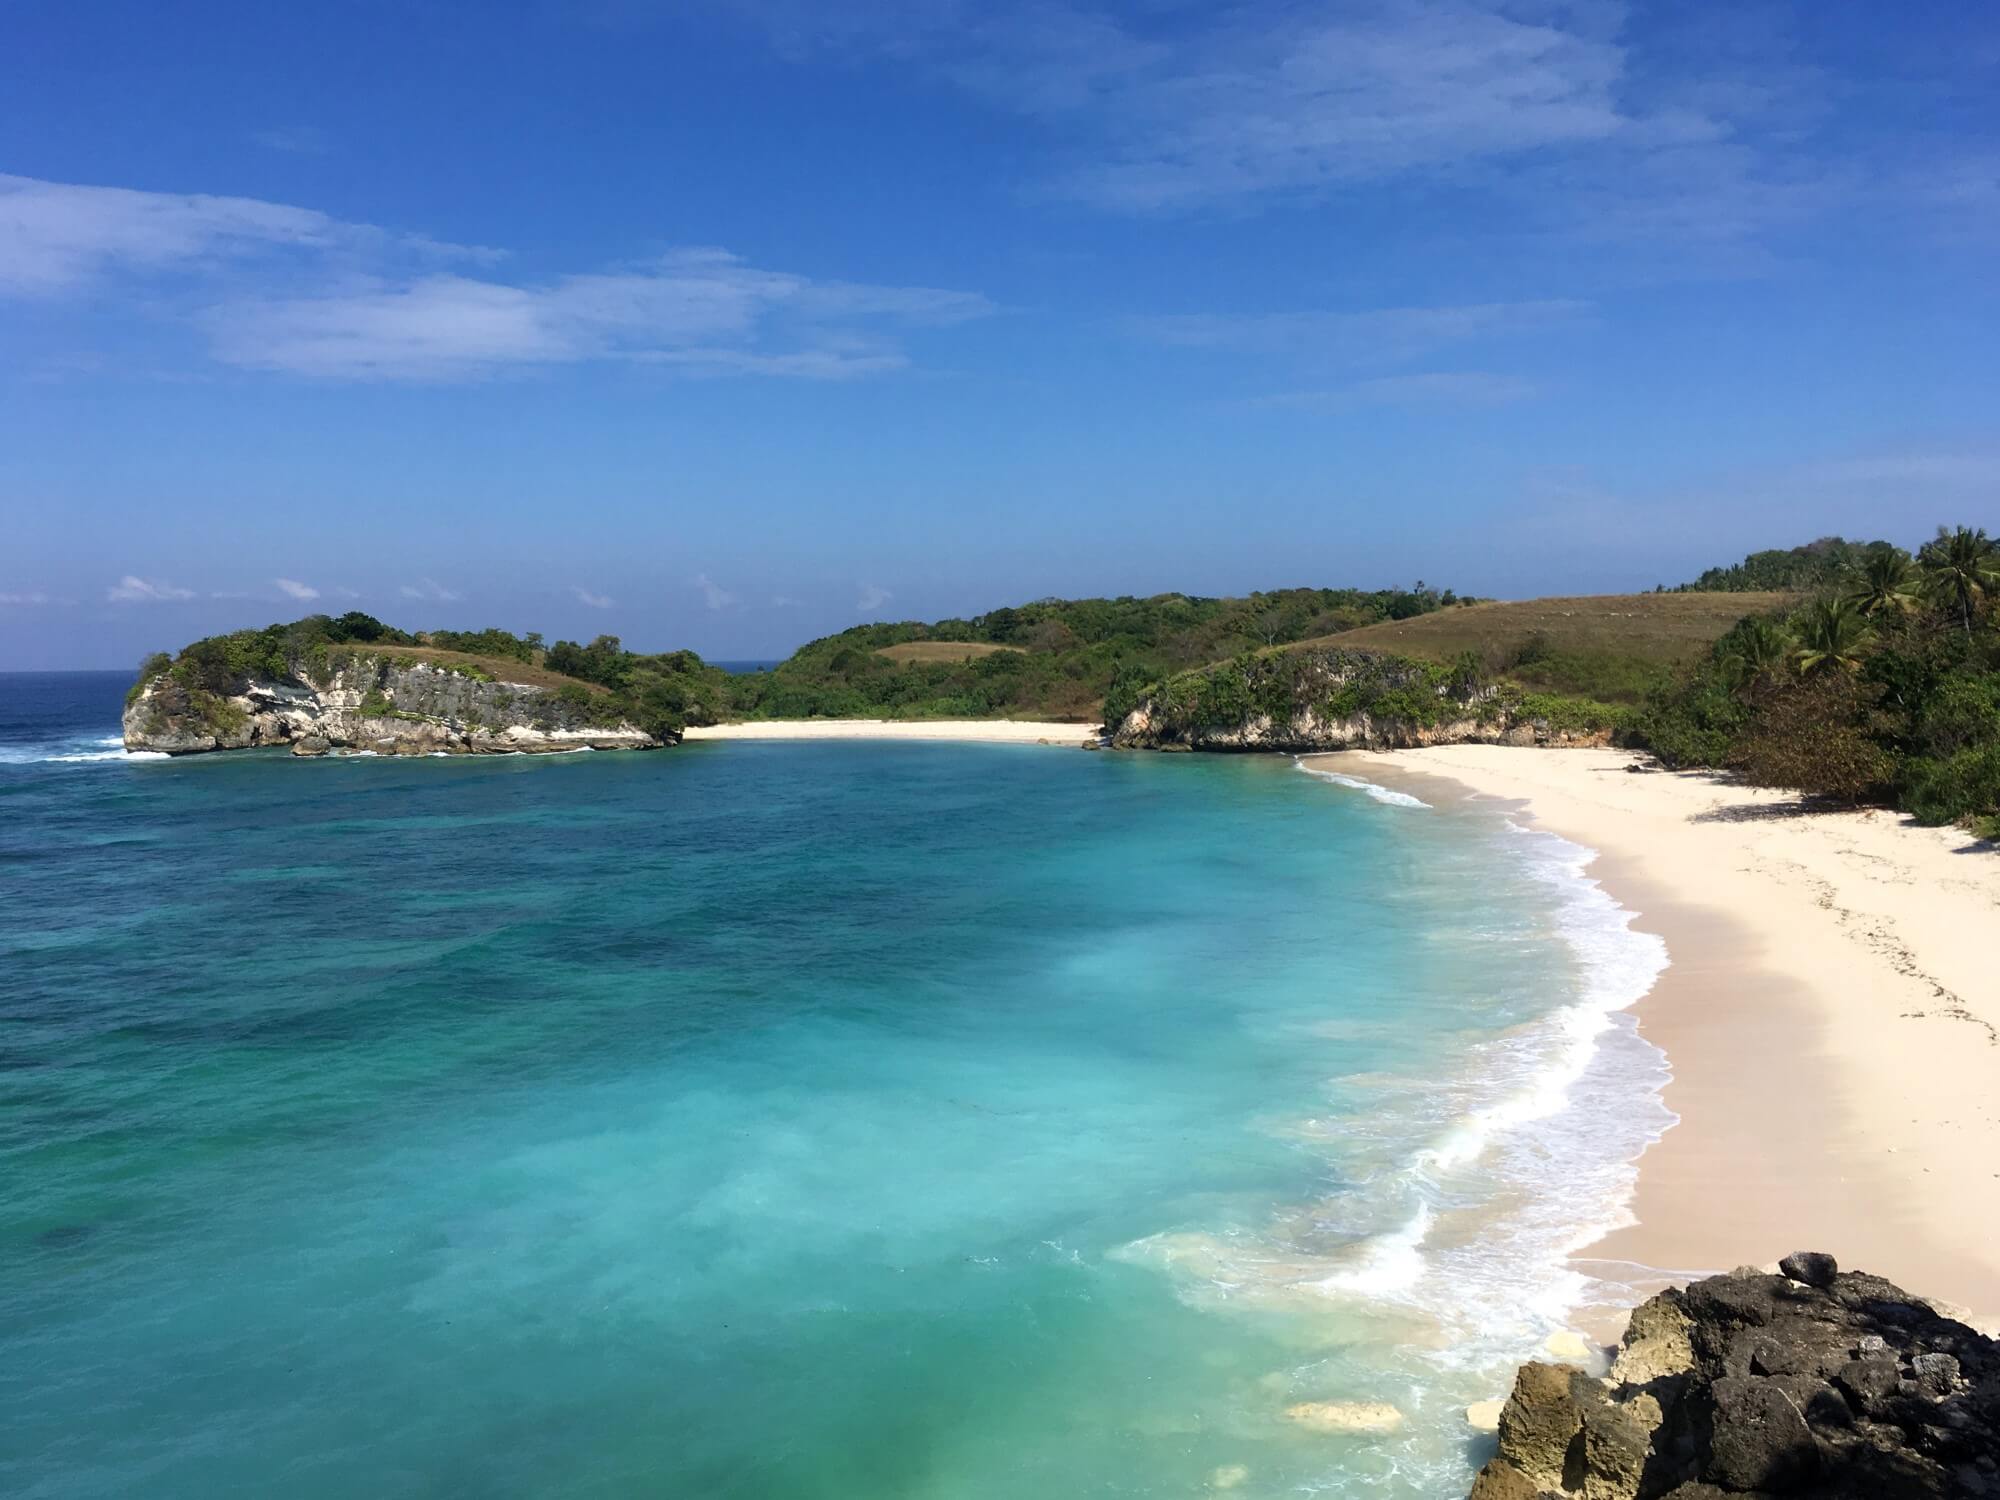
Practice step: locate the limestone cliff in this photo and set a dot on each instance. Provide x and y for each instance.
(1348, 700)
(393, 703)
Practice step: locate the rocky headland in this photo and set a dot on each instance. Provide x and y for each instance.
(391, 703)
(1329, 699)
(1807, 1382)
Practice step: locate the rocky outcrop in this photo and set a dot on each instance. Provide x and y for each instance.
(1812, 1381)
(1328, 699)
(388, 704)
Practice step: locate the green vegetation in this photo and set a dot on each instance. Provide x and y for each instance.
(1883, 687)
(1073, 659)
(1830, 562)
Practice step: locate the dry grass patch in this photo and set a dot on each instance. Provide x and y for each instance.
(499, 668)
(1656, 628)
(928, 652)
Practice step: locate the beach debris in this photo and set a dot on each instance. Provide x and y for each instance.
(1346, 1416)
(1809, 1381)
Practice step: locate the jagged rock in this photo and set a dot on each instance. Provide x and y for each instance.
(1656, 1342)
(1616, 1443)
(1500, 1480)
(1758, 1437)
(1839, 1387)
(311, 744)
(1936, 1374)
(1811, 1267)
(1541, 1421)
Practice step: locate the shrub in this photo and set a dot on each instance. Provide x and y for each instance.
(1815, 735)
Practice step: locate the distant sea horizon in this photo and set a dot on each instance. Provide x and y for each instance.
(841, 1120)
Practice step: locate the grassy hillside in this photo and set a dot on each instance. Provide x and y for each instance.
(1052, 659)
(1613, 647)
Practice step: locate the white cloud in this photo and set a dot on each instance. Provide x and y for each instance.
(36, 597)
(429, 589)
(585, 596)
(133, 590)
(873, 597)
(786, 601)
(713, 594)
(293, 589)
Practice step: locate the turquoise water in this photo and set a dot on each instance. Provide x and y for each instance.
(834, 1120)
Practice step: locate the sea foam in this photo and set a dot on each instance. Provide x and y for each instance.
(1379, 793)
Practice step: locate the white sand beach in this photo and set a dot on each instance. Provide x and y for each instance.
(976, 731)
(1831, 1015)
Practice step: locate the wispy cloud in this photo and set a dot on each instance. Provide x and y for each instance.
(873, 597)
(1439, 387)
(32, 598)
(713, 594)
(703, 311)
(295, 140)
(291, 588)
(430, 589)
(595, 601)
(134, 590)
(1388, 333)
(56, 236)
(277, 287)
(1556, 111)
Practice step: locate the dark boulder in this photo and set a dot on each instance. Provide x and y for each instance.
(1811, 1267)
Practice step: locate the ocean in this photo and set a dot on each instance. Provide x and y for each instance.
(836, 1120)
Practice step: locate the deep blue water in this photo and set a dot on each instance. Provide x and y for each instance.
(824, 1120)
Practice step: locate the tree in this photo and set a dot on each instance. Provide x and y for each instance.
(1961, 570)
(1831, 633)
(1752, 653)
(1884, 584)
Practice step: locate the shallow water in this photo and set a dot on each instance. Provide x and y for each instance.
(822, 1120)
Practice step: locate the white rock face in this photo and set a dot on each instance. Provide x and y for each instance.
(385, 704)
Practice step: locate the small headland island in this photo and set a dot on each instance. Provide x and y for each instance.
(355, 686)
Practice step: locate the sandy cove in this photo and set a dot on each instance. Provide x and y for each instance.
(979, 731)
(1831, 1015)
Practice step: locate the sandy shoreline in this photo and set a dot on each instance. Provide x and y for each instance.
(972, 731)
(1831, 1014)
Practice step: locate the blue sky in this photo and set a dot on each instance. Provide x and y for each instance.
(728, 323)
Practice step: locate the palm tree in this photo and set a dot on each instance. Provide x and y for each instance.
(1831, 633)
(1961, 569)
(1756, 649)
(1884, 585)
